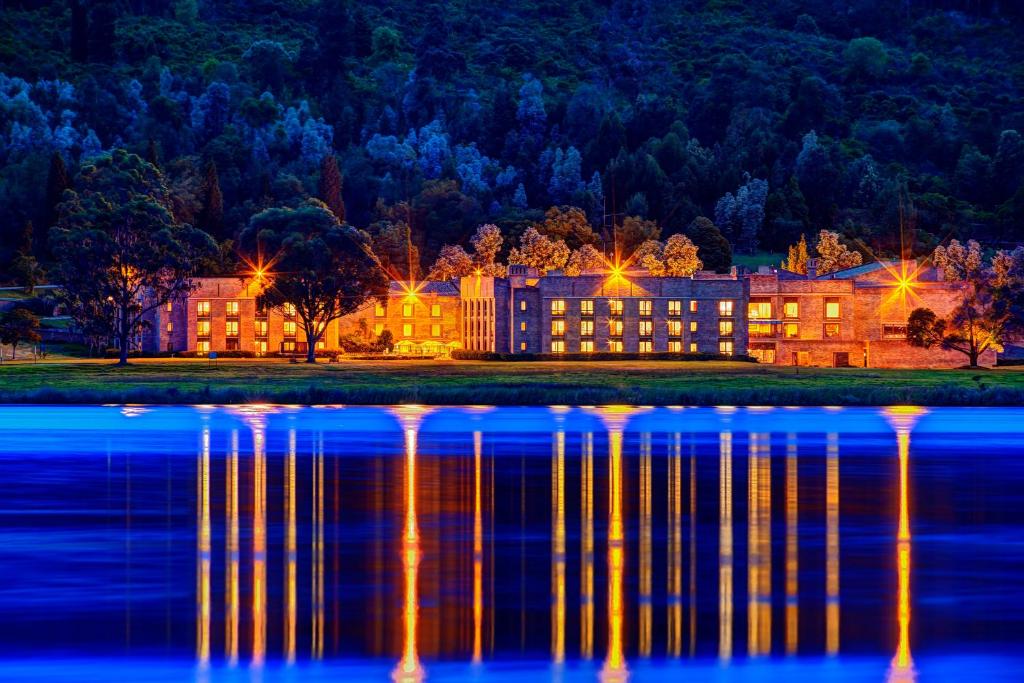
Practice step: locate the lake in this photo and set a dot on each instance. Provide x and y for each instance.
(414, 542)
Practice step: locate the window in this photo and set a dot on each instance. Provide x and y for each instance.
(231, 328)
(522, 326)
(693, 326)
(587, 307)
(522, 305)
(725, 328)
(170, 306)
(646, 346)
(289, 310)
(763, 353)
(791, 308)
(557, 346)
(790, 330)
(289, 328)
(288, 346)
(761, 330)
(693, 347)
(558, 327)
(615, 328)
(407, 310)
(522, 345)
(646, 328)
(203, 309)
(725, 347)
(435, 310)
(615, 307)
(586, 328)
(759, 309)
(693, 305)
(675, 328)
(832, 308)
(203, 346)
(378, 328)
(675, 307)
(320, 345)
(645, 307)
(261, 346)
(261, 327)
(725, 308)
(203, 328)
(587, 346)
(615, 345)
(406, 329)
(558, 307)
(889, 330)
(675, 346)
(231, 309)
(831, 330)
(231, 344)
(378, 310)
(435, 330)
(170, 327)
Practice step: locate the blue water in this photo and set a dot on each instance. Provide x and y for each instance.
(350, 543)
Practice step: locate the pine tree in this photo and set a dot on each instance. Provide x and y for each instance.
(56, 182)
(211, 217)
(331, 186)
(153, 153)
(797, 261)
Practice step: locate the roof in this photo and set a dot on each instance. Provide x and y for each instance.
(437, 287)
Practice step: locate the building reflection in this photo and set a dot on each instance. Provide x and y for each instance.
(203, 554)
(291, 550)
(759, 547)
(792, 548)
(231, 571)
(832, 545)
(725, 558)
(587, 548)
(478, 550)
(674, 646)
(558, 549)
(317, 551)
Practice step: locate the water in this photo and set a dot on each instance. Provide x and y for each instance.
(349, 543)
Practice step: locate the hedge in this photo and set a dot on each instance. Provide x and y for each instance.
(595, 356)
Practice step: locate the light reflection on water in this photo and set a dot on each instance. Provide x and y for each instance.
(412, 542)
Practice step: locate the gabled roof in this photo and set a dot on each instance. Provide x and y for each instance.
(848, 273)
(438, 287)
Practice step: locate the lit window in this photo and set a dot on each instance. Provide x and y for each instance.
(261, 346)
(693, 347)
(407, 329)
(615, 328)
(522, 326)
(587, 307)
(675, 328)
(693, 305)
(831, 330)
(763, 353)
(522, 346)
(288, 346)
(675, 346)
(289, 310)
(378, 310)
(725, 347)
(675, 307)
(289, 328)
(261, 328)
(646, 328)
(203, 346)
(231, 309)
(615, 306)
(889, 330)
(645, 307)
(587, 346)
(407, 310)
(790, 330)
(170, 327)
(791, 308)
(725, 307)
(725, 328)
(557, 327)
(435, 310)
(615, 345)
(761, 330)
(759, 309)
(646, 346)
(203, 328)
(321, 345)
(522, 305)
(202, 308)
(378, 328)
(832, 309)
(557, 346)
(231, 328)
(693, 326)
(586, 328)
(170, 306)
(435, 330)
(558, 307)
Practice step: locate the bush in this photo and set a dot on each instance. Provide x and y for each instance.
(597, 356)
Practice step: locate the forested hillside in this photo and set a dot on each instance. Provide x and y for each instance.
(773, 119)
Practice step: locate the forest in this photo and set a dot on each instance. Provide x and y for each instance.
(896, 123)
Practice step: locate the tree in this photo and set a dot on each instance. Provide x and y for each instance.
(56, 182)
(651, 256)
(26, 271)
(452, 262)
(680, 256)
(385, 342)
(586, 258)
(743, 214)
(958, 261)
(120, 252)
(331, 187)
(632, 232)
(211, 216)
(833, 255)
(326, 270)
(569, 224)
(540, 252)
(394, 249)
(486, 242)
(797, 261)
(974, 326)
(865, 58)
(19, 325)
(715, 250)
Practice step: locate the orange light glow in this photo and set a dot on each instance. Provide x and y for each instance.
(203, 592)
(904, 280)
(478, 553)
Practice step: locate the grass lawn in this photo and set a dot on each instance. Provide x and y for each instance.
(525, 383)
(760, 258)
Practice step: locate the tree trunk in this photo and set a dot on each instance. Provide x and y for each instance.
(973, 355)
(14, 350)
(122, 338)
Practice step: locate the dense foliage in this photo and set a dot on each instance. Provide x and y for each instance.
(771, 118)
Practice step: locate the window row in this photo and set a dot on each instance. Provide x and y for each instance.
(760, 308)
(725, 346)
(644, 306)
(408, 310)
(645, 328)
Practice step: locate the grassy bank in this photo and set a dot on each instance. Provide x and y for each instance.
(466, 382)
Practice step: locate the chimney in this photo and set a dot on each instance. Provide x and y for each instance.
(763, 270)
(812, 268)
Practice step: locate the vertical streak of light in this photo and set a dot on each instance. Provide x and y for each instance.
(832, 546)
(693, 549)
(614, 668)
(259, 549)
(645, 546)
(203, 591)
(792, 548)
(409, 668)
(291, 553)
(317, 646)
(231, 606)
(587, 550)
(675, 550)
(558, 550)
(478, 553)
(759, 547)
(725, 559)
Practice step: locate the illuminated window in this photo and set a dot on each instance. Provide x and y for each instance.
(261, 346)
(615, 328)
(435, 310)
(407, 329)
(586, 328)
(378, 328)
(587, 307)
(831, 330)
(693, 305)
(203, 308)
(321, 345)
(558, 307)
(725, 328)
(557, 327)
(231, 309)
(289, 310)
(646, 305)
(764, 353)
(231, 328)
(407, 310)
(203, 328)
(761, 330)
(261, 328)
(889, 330)
(646, 328)
(725, 307)
(759, 309)
(170, 306)
(831, 309)
(170, 327)
(587, 346)
(557, 346)
(693, 326)
(675, 346)
(790, 330)
(203, 346)
(725, 347)
(675, 307)
(615, 345)
(693, 347)
(378, 310)
(289, 328)
(791, 308)
(435, 330)
(522, 305)
(288, 346)
(522, 346)
(522, 326)
(646, 346)
(615, 306)
(675, 328)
